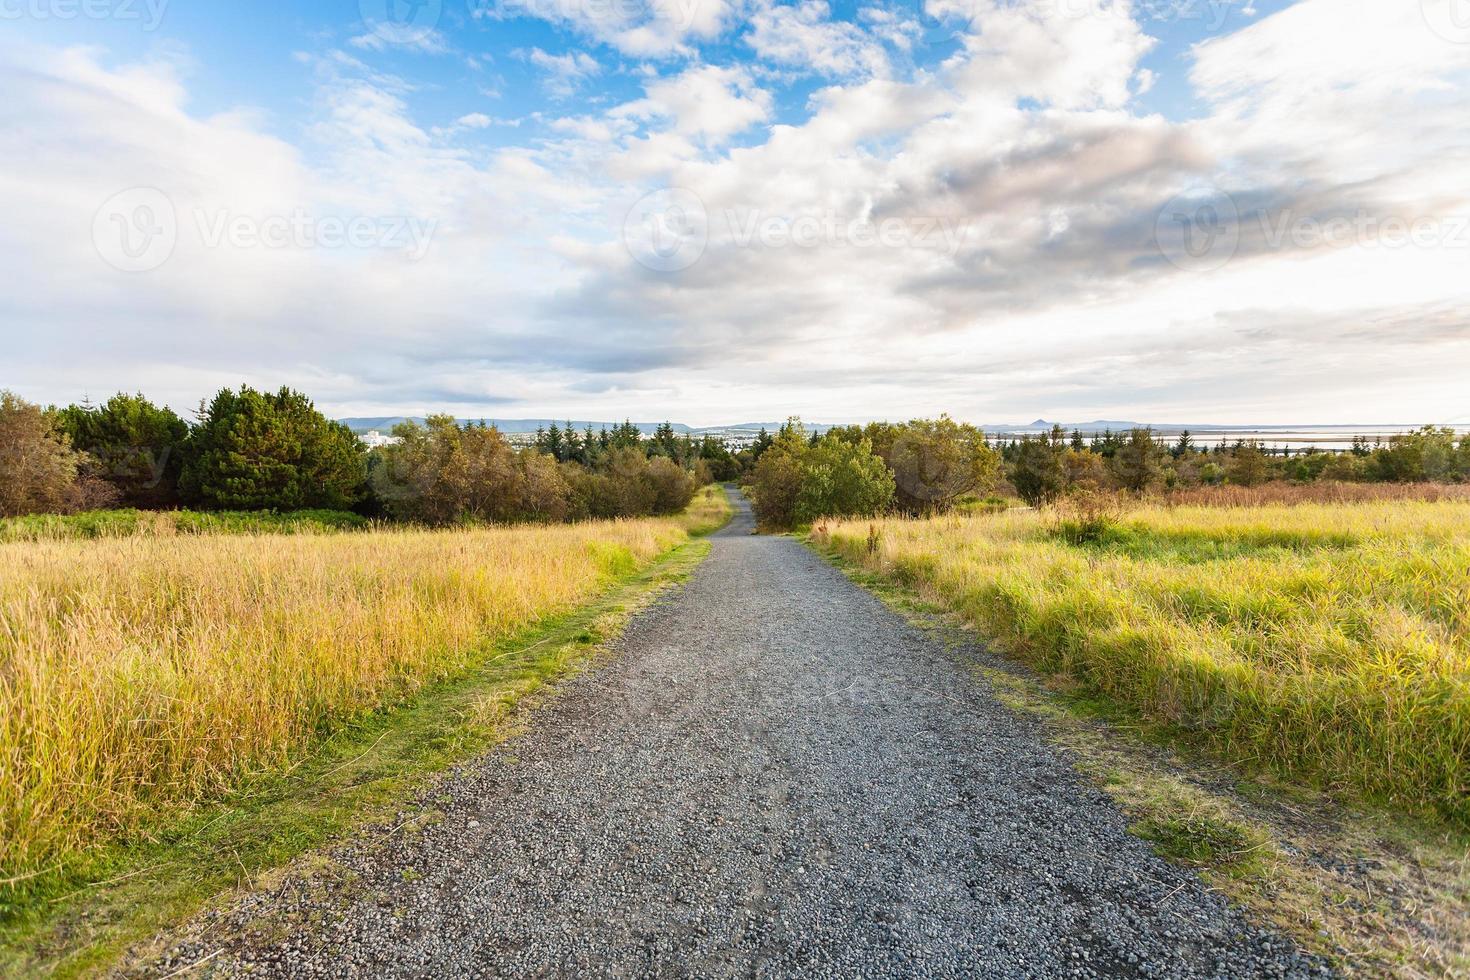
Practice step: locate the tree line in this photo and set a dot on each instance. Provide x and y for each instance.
(926, 466)
(251, 450)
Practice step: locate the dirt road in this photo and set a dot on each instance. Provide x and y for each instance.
(773, 776)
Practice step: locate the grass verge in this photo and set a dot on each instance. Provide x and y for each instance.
(123, 523)
(81, 916)
(1327, 643)
(1378, 893)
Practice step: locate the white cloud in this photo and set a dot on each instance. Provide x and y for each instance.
(804, 36)
(564, 72)
(1028, 145)
(387, 36)
(639, 28)
(681, 118)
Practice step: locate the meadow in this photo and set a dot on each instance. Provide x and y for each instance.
(142, 673)
(129, 522)
(1326, 642)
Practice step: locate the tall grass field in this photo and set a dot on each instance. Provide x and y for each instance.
(145, 672)
(1329, 642)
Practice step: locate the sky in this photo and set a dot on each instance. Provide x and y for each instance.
(715, 211)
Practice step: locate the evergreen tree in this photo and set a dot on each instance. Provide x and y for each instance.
(1184, 446)
(763, 442)
(258, 451)
(589, 447)
(1037, 472)
(134, 445)
(555, 446)
(1136, 461)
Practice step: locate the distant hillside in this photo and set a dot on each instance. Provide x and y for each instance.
(509, 426)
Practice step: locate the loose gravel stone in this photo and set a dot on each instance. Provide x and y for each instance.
(774, 776)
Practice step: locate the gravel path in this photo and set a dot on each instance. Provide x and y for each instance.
(775, 776)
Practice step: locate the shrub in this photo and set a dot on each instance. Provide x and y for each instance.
(673, 486)
(442, 473)
(1427, 454)
(841, 479)
(1248, 466)
(38, 467)
(796, 481)
(775, 485)
(935, 462)
(1088, 517)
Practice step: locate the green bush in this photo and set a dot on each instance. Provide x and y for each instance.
(797, 481)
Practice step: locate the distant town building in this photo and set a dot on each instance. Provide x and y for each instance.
(376, 439)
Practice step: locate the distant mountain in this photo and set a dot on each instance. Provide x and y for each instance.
(508, 426)
(1096, 425)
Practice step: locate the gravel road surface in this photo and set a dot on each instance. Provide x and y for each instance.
(773, 776)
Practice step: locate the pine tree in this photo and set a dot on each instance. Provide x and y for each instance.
(1184, 446)
(258, 451)
(1136, 460)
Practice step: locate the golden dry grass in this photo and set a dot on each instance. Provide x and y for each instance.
(143, 673)
(1320, 492)
(1330, 642)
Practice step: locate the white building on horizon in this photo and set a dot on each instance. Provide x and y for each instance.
(376, 439)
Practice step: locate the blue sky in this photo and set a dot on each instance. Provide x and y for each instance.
(1220, 210)
(251, 54)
